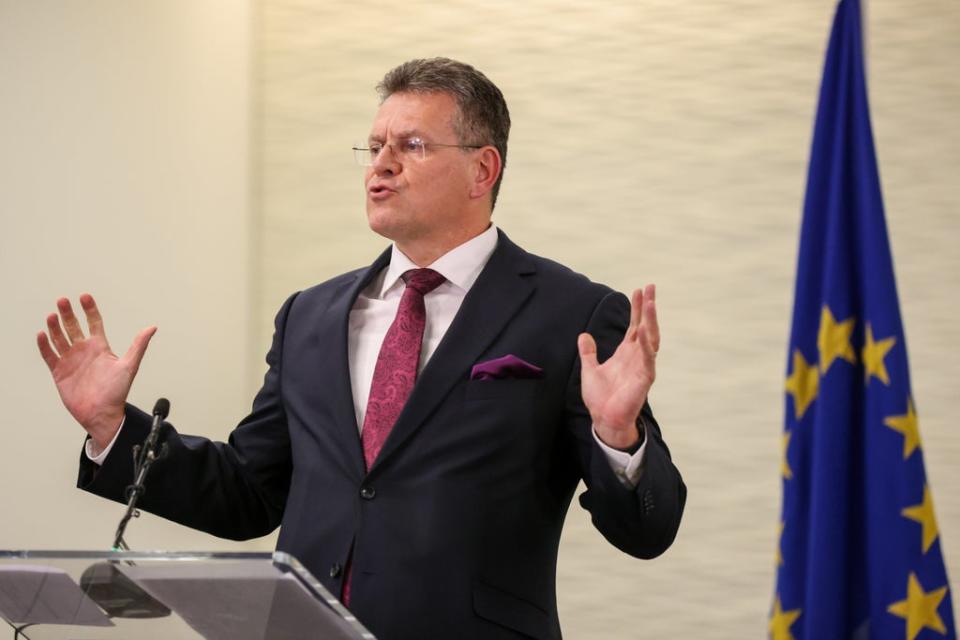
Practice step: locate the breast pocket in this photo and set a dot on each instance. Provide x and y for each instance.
(505, 416)
(507, 390)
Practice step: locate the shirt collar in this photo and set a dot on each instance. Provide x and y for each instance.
(461, 266)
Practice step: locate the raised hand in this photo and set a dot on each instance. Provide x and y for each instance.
(92, 381)
(614, 392)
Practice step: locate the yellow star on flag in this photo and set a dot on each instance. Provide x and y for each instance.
(802, 384)
(784, 465)
(873, 354)
(920, 608)
(923, 513)
(833, 340)
(780, 622)
(907, 425)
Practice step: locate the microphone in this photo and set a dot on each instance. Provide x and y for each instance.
(160, 412)
(162, 408)
(143, 457)
(118, 595)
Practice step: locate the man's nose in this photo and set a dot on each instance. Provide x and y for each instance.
(386, 161)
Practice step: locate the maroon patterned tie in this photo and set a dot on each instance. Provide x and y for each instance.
(394, 373)
(396, 368)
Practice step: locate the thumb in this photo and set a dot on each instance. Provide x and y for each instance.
(135, 353)
(588, 351)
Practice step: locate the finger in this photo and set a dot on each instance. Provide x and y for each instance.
(650, 322)
(588, 351)
(644, 360)
(636, 308)
(94, 321)
(70, 322)
(56, 334)
(135, 353)
(46, 351)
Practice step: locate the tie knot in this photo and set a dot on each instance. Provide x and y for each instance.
(423, 280)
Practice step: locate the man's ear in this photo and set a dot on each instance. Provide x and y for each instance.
(487, 169)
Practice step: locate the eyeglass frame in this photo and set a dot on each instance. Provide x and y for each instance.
(363, 157)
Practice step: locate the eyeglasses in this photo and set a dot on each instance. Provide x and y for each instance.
(403, 149)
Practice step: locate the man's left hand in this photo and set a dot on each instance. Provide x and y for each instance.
(614, 392)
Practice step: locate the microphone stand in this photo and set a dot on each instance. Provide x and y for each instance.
(143, 457)
(103, 582)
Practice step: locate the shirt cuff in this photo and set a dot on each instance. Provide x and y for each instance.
(627, 467)
(90, 447)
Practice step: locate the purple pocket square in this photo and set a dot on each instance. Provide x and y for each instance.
(508, 366)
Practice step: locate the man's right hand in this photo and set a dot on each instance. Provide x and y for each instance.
(92, 381)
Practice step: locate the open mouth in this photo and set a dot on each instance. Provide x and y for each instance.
(379, 192)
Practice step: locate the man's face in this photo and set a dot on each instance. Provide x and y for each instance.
(411, 199)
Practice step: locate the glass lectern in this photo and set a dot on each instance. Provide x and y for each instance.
(88, 595)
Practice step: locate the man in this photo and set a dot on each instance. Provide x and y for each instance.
(434, 508)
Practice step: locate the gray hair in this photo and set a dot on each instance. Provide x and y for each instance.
(483, 118)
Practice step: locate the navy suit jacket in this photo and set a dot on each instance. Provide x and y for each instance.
(455, 528)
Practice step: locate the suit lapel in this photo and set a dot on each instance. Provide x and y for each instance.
(498, 294)
(332, 335)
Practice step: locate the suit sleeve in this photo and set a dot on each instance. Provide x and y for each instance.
(237, 489)
(642, 521)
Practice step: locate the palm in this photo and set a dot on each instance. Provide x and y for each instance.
(92, 381)
(89, 376)
(614, 392)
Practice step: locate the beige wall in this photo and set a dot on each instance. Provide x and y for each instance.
(664, 141)
(124, 155)
(653, 141)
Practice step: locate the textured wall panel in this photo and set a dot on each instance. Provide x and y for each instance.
(123, 172)
(652, 141)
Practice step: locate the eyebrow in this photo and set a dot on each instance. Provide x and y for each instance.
(410, 133)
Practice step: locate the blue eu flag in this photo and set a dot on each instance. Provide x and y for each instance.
(859, 553)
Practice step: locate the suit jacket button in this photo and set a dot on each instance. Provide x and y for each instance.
(336, 570)
(367, 493)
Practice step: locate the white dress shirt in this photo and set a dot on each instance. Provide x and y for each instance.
(376, 306)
